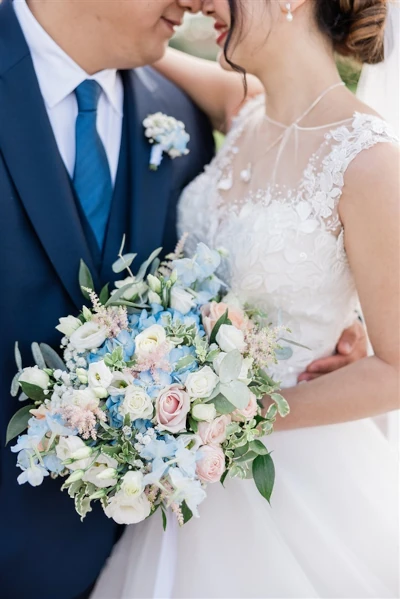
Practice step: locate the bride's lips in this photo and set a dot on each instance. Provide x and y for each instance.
(171, 24)
(222, 31)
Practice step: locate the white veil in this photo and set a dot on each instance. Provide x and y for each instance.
(379, 85)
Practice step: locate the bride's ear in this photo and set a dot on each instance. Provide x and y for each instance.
(289, 8)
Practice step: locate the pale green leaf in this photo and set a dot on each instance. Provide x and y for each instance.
(18, 358)
(118, 295)
(15, 385)
(18, 423)
(258, 447)
(38, 356)
(124, 262)
(237, 393)
(230, 366)
(142, 270)
(222, 405)
(281, 404)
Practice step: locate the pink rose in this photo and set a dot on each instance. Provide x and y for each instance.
(172, 407)
(214, 432)
(248, 412)
(211, 464)
(213, 311)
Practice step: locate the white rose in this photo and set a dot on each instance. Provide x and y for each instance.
(132, 484)
(85, 398)
(102, 463)
(149, 340)
(66, 447)
(99, 375)
(124, 509)
(68, 325)
(89, 336)
(230, 338)
(181, 300)
(136, 403)
(204, 412)
(201, 383)
(217, 361)
(35, 376)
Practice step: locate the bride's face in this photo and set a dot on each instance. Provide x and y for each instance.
(251, 24)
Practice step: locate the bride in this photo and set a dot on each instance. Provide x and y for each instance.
(304, 195)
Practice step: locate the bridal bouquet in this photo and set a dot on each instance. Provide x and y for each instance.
(157, 396)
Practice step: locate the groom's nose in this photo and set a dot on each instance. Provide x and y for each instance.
(192, 6)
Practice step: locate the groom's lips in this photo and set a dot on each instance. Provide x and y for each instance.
(171, 24)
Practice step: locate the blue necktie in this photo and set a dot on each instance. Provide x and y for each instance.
(92, 179)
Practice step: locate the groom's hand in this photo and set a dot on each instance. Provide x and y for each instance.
(352, 346)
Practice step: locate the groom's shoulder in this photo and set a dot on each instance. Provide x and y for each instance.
(13, 47)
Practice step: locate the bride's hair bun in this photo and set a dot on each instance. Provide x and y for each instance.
(356, 27)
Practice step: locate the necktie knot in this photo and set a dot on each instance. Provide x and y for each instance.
(87, 95)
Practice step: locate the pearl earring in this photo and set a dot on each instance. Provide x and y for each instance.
(289, 14)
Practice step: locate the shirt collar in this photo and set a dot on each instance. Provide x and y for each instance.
(58, 75)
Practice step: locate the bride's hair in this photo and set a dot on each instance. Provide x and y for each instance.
(356, 27)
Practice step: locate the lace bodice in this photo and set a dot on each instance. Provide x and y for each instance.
(282, 230)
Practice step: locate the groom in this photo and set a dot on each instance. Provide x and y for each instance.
(74, 177)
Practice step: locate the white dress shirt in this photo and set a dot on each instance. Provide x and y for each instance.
(58, 76)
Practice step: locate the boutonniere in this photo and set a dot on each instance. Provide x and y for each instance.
(166, 134)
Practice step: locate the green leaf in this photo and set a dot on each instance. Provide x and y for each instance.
(222, 405)
(194, 425)
(104, 295)
(164, 519)
(123, 263)
(264, 475)
(15, 385)
(230, 366)
(118, 294)
(18, 358)
(222, 320)
(258, 447)
(184, 362)
(33, 391)
(142, 270)
(247, 457)
(223, 477)
(52, 358)
(237, 393)
(74, 488)
(281, 404)
(37, 355)
(85, 279)
(18, 423)
(186, 512)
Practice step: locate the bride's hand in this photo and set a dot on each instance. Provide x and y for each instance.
(352, 346)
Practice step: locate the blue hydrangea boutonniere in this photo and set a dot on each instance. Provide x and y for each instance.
(167, 135)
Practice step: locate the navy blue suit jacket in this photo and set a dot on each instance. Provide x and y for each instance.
(45, 551)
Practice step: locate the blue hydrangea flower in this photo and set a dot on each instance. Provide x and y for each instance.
(207, 259)
(53, 464)
(141, 425)
(158, 469)
(125, 340)
(158, 448)
(115, 418)
(37, 428)
(188, 271)
(57, 426)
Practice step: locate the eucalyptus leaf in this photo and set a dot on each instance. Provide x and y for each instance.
(264, 475)
(283, 353)
(15, 385)
(33, 391)
(104, 295)
(230, 367)
(258, 447)
(281, 404)
(237, 393)
(155, 266)
(222, 320)
(184, 362)
(18, 423)
(52, 358)
(142, 270)
(38, 356)
(123, 262)
(118, 295)
(222, 405)
(23, 397)
(85, 279)
(18, 358)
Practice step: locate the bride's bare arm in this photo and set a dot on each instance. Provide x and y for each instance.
(217, 92)
(370, 212)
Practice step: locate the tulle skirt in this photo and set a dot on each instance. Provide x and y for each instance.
(332, 529)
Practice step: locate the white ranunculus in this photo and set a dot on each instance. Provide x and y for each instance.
(149, 340)
(201, 383)
(102, 463)
(69, 445)
(217, 361)
(89, 336)
(230, 338)
(68, 325)
(99, 375)
(125, 509)
(132, 483)
(35, 376)
(204, 412)
(181, 300)
(136, 403)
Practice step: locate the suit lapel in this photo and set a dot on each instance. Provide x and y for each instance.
(30, 151)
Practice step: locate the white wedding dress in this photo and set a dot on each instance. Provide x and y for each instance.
(333, 527)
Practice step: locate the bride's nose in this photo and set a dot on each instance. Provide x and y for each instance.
(192, 6)
(207, 7)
